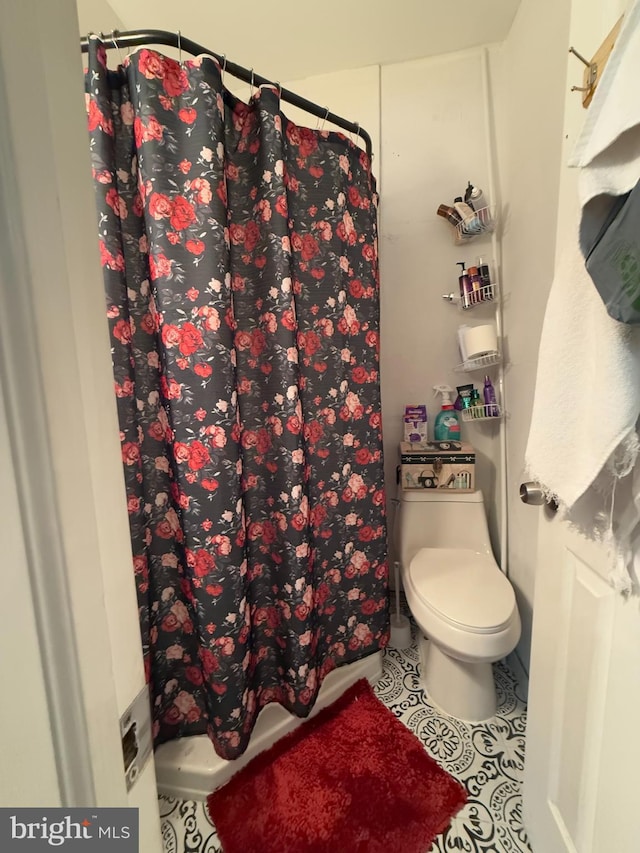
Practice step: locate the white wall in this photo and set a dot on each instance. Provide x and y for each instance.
(529, 93)
(287, 39)
(25, 735)
(433, 142)
(97, 16)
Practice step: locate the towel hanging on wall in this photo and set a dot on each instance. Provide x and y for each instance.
(583, 439)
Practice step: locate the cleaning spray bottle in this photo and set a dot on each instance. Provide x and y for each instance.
(447, 425)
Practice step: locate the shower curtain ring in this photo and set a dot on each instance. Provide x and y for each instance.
(279, 87)
(115, 41)
(251, 86)
(357, 132)
(324, 119)
(224, 67)
(179, 46)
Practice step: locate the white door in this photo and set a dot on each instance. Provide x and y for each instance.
(583, 749)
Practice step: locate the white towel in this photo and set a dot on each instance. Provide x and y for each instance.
(583, 437)
(615, 107)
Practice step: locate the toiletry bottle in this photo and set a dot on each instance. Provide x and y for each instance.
(474, 196)
(466, 288)
(450, 214)
(447, 425)
(476, 405)
(491, 408)
(460, 481)
(470, 222)
(415, 424)
(485, 278)
(464, 395)
(476, 285)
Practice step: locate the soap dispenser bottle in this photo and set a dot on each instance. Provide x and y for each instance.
(447, 425)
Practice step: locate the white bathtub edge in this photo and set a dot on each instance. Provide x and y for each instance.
(189, 768)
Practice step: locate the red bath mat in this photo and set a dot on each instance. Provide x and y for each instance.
(353, 779)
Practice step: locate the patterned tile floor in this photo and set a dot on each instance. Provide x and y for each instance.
(488, 758)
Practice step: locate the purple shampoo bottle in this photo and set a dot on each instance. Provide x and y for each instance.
(491, 407)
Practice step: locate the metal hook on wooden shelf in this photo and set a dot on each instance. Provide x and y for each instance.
(593, 72)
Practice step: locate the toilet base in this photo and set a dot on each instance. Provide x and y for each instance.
(463, 690)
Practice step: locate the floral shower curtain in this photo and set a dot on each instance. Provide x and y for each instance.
(240, 266)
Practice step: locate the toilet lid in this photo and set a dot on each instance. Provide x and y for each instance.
(464, 587)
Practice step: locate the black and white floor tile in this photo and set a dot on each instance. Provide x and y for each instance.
(488, 758)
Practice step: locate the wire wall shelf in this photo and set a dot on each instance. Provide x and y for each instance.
(487, 412)
(478, 297)
(481, 296)
(484, 222)
(478, 363)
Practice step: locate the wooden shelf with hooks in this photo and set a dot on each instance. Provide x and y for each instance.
(594, 68)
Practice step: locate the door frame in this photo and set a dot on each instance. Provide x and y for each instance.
(57, 382)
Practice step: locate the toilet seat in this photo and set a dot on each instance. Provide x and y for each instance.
(463, 588)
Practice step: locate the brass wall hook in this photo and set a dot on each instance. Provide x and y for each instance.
(593, 72)
(594, 68)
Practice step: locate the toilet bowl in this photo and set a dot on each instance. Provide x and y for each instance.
(461, 601)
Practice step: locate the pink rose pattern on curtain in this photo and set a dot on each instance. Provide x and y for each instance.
(240, 264)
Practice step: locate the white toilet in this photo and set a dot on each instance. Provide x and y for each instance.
(462, 602)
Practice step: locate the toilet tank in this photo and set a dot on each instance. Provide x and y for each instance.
(433, 519)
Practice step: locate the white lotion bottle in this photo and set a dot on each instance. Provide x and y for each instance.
(470, 222)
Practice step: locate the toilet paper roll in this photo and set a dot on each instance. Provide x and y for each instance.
(479, 340)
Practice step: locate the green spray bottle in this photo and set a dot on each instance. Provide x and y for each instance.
(447, 425)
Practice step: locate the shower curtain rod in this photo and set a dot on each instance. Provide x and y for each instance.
(135, 38)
